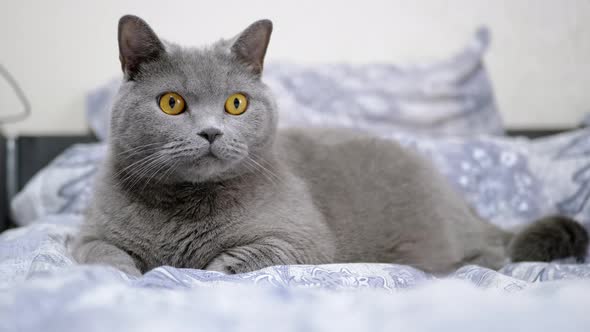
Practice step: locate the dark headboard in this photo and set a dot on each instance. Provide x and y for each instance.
(3, 191)
(31, 153)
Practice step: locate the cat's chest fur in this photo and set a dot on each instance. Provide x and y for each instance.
(183, 226)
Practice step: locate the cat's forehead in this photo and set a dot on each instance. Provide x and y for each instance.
(206, 69)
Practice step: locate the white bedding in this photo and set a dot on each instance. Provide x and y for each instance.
(44, 290)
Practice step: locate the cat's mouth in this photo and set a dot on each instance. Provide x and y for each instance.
(211, 154)
(212, 160)
(207, 158)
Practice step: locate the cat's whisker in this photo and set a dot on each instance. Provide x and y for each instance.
(155, 172)
(268, 171)
(137, 153)
(264, 172)
(170, 171)
(175, 143)
(137, 163)
(140, 169)
(149, 167)
(262, 160)
(146, 159)
(251, 168)
(178, 153)
(156, 161)
(136, 148)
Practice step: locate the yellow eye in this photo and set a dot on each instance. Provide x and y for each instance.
(236, 104)
(172, 103)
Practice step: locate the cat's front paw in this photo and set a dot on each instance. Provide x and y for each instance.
(129, 269)
(226, 264)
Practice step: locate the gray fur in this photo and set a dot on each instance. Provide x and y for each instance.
(256, 197)
(548, 239)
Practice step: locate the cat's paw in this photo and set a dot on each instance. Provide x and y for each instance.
(226, 264)
(130, 270)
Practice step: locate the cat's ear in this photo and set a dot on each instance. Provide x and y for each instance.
(137, 44)
(250, 45)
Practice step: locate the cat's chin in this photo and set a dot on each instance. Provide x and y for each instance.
(207, 168)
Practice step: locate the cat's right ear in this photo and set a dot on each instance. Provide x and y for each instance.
(250, 46)
(138, 43)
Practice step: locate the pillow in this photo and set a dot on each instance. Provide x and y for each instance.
(62, 187)
(509, 181)
(447, 97)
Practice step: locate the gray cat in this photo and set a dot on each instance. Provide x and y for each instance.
(197, 176)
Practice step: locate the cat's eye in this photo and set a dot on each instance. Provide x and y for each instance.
(172, 103)
(236, 104)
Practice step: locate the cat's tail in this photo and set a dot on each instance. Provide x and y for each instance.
(548, 239)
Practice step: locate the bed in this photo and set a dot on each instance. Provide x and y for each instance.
(444, 110)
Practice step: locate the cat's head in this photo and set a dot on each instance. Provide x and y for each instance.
(191, 114)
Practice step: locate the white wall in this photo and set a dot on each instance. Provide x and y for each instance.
(539, 60)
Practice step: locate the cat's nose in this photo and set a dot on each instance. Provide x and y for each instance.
(210, 134)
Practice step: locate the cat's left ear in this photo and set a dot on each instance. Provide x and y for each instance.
(250, 46)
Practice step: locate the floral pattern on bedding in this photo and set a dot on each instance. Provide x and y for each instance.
(41, 252)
